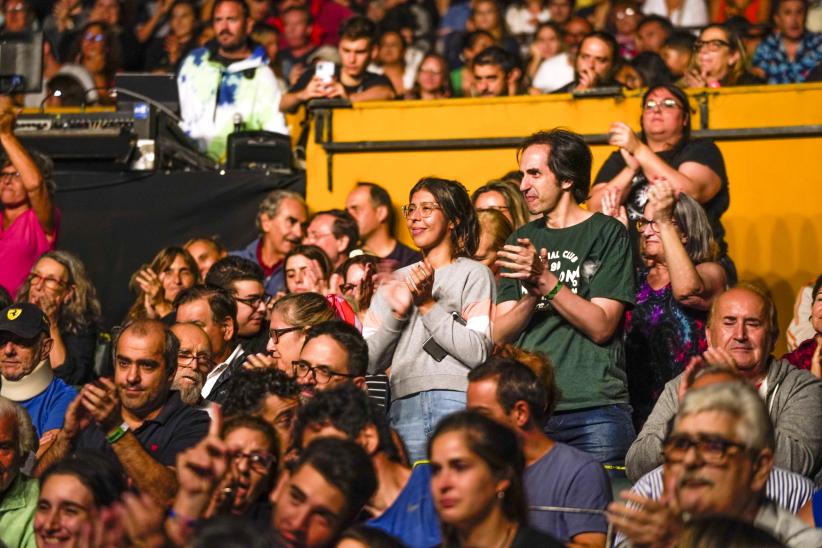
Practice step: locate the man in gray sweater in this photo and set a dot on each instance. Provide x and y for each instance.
(742, 322)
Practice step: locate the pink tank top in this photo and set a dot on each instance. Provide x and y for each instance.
(21, 244)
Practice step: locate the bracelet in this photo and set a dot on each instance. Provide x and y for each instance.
(553, 293)
(117, 434)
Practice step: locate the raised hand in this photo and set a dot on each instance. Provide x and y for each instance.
(103, 403)
(621, 135)
(398, 296)
(662, 199)
(524, 264)
(200, 468)
(612, 207)
(420, 282)
(260, 361)
(646, 522)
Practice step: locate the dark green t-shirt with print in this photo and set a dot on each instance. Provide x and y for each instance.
(593, 259)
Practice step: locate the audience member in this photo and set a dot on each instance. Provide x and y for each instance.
(280, 220)
(721, 60)
(651, 69)
(371, 206)
(166, 53)
(494, 232)
(442, 305)
(741, 332)
(462, 78)
(756, 12)
(212, 308)
(18, 16)
(522, 17)
(567, 279)
(561, 10)
(335, 232)
(495, 73)
(624, 19)
(391, 60)
(555, 474)
(678, 52)
(297, 45)
(18, 492)
(206, 251)
(230, 61)
(504, 197)
(359, 283)
(788, 54)
(432, 80)
(333, 353)
(652, 33)
(307, 270)
(594, 63)
(485, 506)
(97, 49)
(682, 13)
(27, 376)
(808, 355)
(547, 45)
(30, 220)
(351, 79)
(194, 361)
(157, 284)
(243, 280)
(59, 286)
(135, 420)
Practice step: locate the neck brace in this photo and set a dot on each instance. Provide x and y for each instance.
(29, 386)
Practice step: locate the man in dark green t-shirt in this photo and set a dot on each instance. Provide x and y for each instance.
(566, 281)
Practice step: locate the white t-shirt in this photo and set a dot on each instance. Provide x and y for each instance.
(554, 73)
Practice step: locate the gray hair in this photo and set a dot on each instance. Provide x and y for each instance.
(26, 439)
(271, 204)
(44, 165)
(692, 221)
(739, 399)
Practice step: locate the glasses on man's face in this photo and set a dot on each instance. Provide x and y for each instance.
(711, 45)
(259, 462)
(665, 104)
(425, 209)
(93, 37)
(254, 302)
(275, 334)
(321, 374)
(186, 358)
(711, 448)
(48, 281)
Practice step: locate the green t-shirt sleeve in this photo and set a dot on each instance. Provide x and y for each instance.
(614, 279)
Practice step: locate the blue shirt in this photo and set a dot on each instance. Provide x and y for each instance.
(412, 518)
(772, 58)
(48, 408)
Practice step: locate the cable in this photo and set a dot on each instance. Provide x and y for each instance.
(148, 100)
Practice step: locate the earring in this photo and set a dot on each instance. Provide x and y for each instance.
(500, 495)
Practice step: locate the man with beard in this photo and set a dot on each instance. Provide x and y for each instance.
(594, 63)
(228, 83)
(789, 54)
(194, 361)
(496, 73)
(134, 419)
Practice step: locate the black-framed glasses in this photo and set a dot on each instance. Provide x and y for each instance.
(642, 222)
(260, 462)
(425, 209)
(711, 448)
(187, 359)
(665, 104)
(8, 175)
(254, 302)
(275, 334)
(711, 45)
(320, 373)
(48, 281)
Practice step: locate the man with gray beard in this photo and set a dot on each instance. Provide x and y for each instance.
(194, 361)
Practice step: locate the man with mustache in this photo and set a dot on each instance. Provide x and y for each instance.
(742, 323)
(496, 73)
(791, 52)
(194, 361)
(135, 419)
(718, 457)
(227, 83)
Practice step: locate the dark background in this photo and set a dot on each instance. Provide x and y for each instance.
(117, 221)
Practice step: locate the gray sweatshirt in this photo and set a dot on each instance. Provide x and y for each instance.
(466, 287)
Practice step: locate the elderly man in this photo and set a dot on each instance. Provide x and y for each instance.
(135, 419)
(18, 493)
(27, 375)
(742, 324)
(335, 232)
(194, 361)
(718, 458)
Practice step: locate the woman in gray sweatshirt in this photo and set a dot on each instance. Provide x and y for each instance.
(431, 323)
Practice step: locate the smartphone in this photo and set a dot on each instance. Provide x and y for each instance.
(433, 348)
(325, 70)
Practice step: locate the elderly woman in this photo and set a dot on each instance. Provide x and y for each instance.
(58, 284)
(30, 221)
(665, 149)
(719, 60)
(676, 284)
(808, 355)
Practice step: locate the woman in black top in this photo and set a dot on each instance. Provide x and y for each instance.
(719, 60)
(665, 149)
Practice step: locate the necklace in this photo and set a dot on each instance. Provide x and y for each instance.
(507, 535)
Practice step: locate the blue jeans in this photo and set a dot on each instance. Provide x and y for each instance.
(605, 433)
(415, 417)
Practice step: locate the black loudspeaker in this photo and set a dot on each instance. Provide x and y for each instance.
(260, 150)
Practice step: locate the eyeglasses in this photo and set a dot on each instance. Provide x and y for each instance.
(665, 104)
(320, 373)
(275, 334)
(254, 302)
(317, 235)
(425, 208)
(8, 175)
(642, 222)
(711, 448)
(260, 462)
(711, 45)
(187, 359)
(627, 12)
(48, 281)
(93, 37)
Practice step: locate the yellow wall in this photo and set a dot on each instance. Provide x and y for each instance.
(774, 224)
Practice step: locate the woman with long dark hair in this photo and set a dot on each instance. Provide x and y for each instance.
(476, 483)
(157, 284)
(664, 148)
(432, 322)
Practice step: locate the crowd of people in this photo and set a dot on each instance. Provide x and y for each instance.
(551, 339)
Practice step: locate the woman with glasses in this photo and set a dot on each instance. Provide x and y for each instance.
(291, 317)
(664, 148)
(59, 286)
(476, 483)
(719, 60)
(157, 284)
(677, 280)
(432, 321)
(98, 50)
(432, 80)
